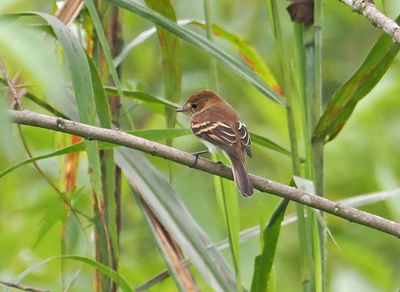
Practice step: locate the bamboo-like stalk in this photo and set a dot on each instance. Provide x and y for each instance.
(304, 229)
(318, 145)
(285, 73)
(107, 250)
(114, 35)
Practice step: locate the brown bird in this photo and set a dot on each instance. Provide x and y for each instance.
(215, 121)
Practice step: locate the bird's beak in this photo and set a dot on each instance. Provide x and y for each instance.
(183, 109)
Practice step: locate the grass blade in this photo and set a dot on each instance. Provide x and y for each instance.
(82, 82)
(81, 77)
(169, 249)
(142, 96)
(104, 44)
(88, 261)
(170, 57)
(248, 53)
(228, 201)
(155, 135)
(202, 43)
(163, 201)
(25, 48)
(345, 99)
(264, 262)
(269, 144)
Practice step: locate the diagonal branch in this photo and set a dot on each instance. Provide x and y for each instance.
(21, 287)
(264, 185)
(370, 11)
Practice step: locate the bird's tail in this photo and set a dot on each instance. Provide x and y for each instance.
(241, 176)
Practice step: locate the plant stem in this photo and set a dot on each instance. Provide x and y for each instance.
(285, 72)
(225, 192)
(318, 145)
(264, 185)
(213, 77)
(305, 225)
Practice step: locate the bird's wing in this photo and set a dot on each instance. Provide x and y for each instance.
(244, 137)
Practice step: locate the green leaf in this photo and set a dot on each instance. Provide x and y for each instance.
(202, 43)
(170, 210)
(45, 105)
(155, 135)
(267, 143)
(104, 44)
(81, 77)
(345, 99)
(70, 149)
(170, 58)
(161, 244)
(227, 198)
(101, 100)
(116, 277)
(248, 53)
(5, 4)
(137, 41)
(142, 96)
(26, 50)
(107, 168)
(264, 262)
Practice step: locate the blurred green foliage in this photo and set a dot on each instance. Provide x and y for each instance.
(363, 158)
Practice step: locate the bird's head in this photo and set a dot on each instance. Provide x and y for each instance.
(199, 102)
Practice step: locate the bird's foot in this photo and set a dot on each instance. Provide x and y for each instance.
(196, 155)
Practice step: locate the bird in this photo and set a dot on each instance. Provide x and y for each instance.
(216, 121)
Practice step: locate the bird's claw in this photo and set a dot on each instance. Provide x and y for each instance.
(196, 155)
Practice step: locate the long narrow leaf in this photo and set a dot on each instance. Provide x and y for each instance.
(81, 77)
(169, 249)
(82, 82)
(88, 261)
(345, 99)
(163, 201)
(103, 40)
(142, 96)
(248, 53)
(228, 201)
(267, 143)
(108, 169)
(202, 43)
(154, 135)
(263, 262)
(170, 50)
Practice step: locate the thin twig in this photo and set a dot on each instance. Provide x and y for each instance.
(158, 278)
(69, 11)
(11, 87)
(370, 11)
(53, 186)
(23, 288)
(262, 184)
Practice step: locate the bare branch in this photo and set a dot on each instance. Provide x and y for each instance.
(370, 11)
(264, 185)
(20, 287)
(69, 11)
(10, 84)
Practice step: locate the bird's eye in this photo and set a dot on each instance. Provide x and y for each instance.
(194, 105)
